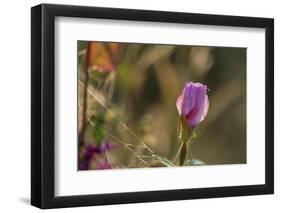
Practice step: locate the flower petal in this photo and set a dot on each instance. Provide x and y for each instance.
(193, 103)
(187, 99)
(194, 116)
(206, 108)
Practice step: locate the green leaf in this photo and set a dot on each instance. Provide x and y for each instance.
(194, 162)
(98, 134)
(97, 131)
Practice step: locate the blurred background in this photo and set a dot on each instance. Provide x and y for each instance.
(127, 103)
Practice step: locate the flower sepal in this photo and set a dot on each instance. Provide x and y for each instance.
(185, 131)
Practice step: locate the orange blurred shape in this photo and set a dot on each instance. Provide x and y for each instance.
(103, 57)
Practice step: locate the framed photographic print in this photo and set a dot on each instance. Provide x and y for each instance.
(140, 106)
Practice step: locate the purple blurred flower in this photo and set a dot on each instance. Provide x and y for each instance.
(193, 103)
(106, 145)
(84, 165)
(96, 153)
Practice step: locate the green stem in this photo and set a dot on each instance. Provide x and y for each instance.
(183, 153)
(185, 134)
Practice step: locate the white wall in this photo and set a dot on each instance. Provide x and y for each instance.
(15, 105)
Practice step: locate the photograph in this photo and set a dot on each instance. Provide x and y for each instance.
(140, 105)
(143, 105)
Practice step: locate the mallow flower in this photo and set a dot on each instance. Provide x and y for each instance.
(95, 155)
(193, 103)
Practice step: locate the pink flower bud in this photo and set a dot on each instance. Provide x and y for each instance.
(193, 103)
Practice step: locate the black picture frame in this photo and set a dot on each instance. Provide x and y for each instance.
(43, 102)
